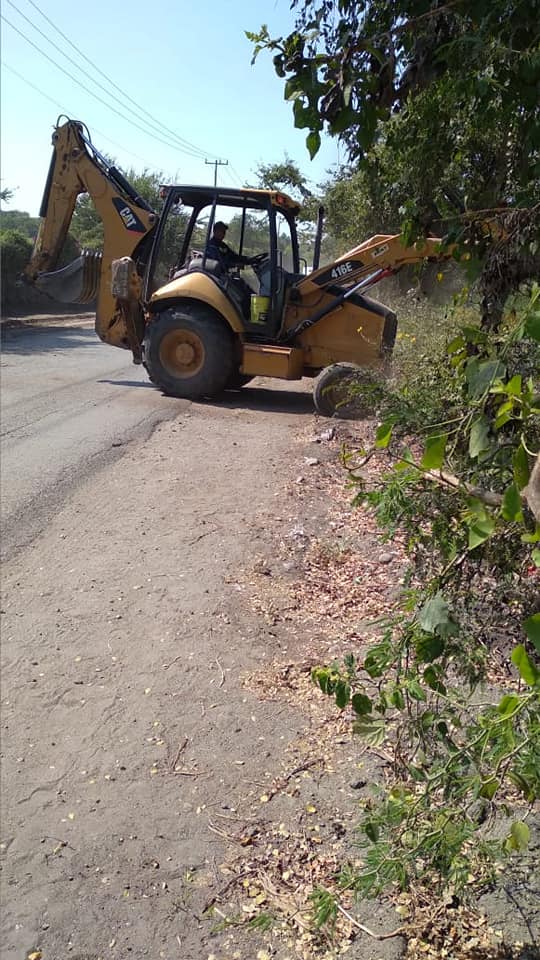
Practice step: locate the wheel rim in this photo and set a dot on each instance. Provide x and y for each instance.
(181, 353)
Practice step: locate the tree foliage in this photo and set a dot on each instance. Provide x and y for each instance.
(21, 221)
(287, 176)
(284, 175)
(347, 68)
(437, 106)
(436, 103)
(15, 252)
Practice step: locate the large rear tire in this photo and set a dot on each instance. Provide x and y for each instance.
(343, 390)
(189, 352)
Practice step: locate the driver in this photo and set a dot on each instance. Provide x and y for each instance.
(217, 249)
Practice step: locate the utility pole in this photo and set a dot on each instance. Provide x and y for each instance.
(215, 164)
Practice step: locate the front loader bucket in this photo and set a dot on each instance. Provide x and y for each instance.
(76, 283)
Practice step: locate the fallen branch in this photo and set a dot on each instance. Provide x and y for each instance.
(370, 933)
(181, 748)
(489, 497)
(282, 782)
(222, 681)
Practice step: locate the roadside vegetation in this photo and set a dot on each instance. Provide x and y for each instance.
(437, 108)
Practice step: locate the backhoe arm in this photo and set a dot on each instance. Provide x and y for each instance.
(328, 288)
(378, 257)
(128, 222)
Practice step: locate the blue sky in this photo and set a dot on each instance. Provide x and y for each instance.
(187, 65)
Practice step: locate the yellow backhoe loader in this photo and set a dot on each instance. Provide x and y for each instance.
(198, 324)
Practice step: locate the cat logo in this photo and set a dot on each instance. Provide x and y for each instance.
(378, 251)
(130, 219)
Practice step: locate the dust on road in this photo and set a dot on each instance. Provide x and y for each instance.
(124, 722)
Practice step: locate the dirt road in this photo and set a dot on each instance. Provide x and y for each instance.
(161, 737)
(125, 632)
(69, 403)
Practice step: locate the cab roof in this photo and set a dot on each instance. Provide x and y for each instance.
(231, 196)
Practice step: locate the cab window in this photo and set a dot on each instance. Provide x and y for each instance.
(172, 242)
(284, 243)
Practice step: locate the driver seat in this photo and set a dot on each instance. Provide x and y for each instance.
(196, 265)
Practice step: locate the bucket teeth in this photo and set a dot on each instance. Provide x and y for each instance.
(76, 283)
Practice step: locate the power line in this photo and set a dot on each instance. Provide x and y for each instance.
(172, 146)
(65, 110)
(187, 143)
(155, 129)
(84, 72)
(241, 181)
(229, 177)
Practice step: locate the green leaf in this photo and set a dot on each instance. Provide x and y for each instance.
(532, 326)
(532, 537)
(456, 345)
(508, 704)
(433, 458)
(479, 440)
(361, 704)
(474, 334)
(489, 788)
(349, 661)
(504, 414)
(481, 374)
(433, 680)
(343, 694)
(323, 678)
(526, 667)
(519, 836)
(480, 530)
(429, 647)
(313, 143)
(532, 629)
(511, 505)
(434, 616)
(344, 119)
(520, 464)
(378, 659)
(415, 690)
(384, 434)
(514, 386)
(294, 88)
(372, 731)
(397, 699)
(371, 830)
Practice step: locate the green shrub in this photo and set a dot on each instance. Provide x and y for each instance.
(15, 252)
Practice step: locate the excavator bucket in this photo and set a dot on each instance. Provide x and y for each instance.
(76, 283)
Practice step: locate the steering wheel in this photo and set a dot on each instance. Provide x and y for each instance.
(258, 259)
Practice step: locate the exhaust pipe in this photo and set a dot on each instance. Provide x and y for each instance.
(76, 283)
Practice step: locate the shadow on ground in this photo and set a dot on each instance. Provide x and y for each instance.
(260, 399)
(26, 339)
(267, 400)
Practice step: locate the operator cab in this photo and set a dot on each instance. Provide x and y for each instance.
(261, 225)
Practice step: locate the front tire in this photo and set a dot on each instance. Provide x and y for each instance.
(189, 352)
(340, 391)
